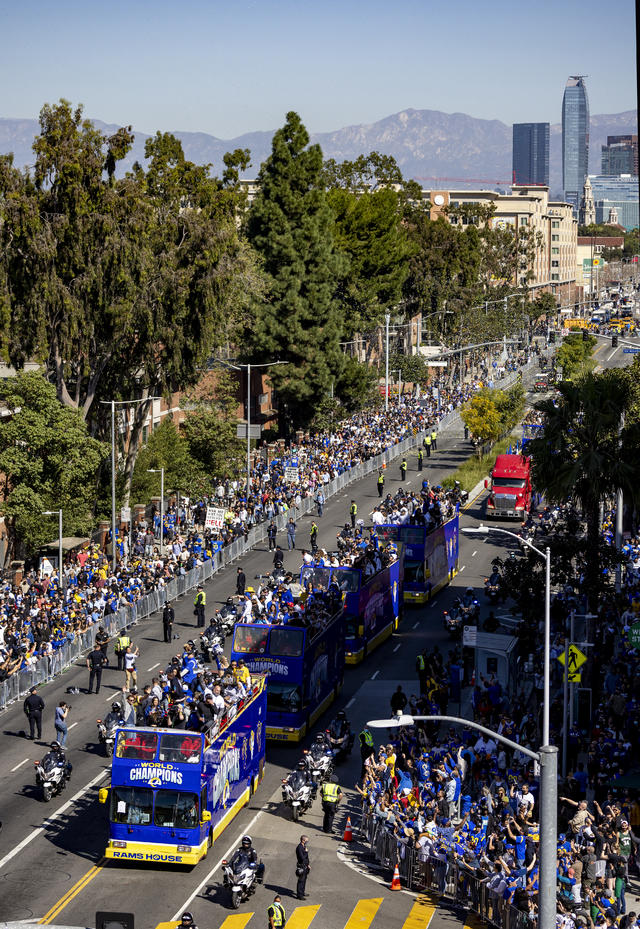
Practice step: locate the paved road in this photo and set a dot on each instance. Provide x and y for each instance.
(51, 862)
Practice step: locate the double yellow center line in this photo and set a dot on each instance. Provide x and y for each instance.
(70, 894)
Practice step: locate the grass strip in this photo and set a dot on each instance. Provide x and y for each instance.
(475, 469)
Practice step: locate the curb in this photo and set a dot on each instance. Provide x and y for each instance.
(475, 493)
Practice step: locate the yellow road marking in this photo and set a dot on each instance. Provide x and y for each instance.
(420, 915)
(302, 916)
(363, 914)
(169, 925)
(75, 890)
(237, 921)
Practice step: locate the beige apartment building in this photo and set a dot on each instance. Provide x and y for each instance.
(554, 265)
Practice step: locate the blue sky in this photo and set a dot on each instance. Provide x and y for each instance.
(231, 67)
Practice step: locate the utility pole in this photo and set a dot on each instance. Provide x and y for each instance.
(387, 320)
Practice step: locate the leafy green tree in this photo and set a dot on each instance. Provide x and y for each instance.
(583, 455)
(291, 227)
(210, 429)
(482, 417)
(575, 355)
(510, 404)
(370, 233)
(414, 367)
(47, 461)
(167, 448)
(356, 387)
(121, 287)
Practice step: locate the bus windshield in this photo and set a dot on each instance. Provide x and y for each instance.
(139, 746)
(286, 641)
(251, 639)
(131, 805)
(176, 809)
(413, 572)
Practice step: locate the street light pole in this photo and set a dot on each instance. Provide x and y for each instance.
(161, 472)
(58, 513)
(547, 758)
(248, 433)
(113, 404)
(387, 320)
(546, 556)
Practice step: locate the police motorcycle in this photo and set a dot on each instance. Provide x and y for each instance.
(469, 607)
(453, 620)
(242, 873)
(227, 616)
(340, 736)
(299, 791)
(212, 642)
(53, 772)
(319, 759)
(107, 727)
(492, 586)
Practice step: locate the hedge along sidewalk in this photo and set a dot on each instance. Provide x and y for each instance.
(47, 668)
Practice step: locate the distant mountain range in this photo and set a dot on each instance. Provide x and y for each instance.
(439, 149)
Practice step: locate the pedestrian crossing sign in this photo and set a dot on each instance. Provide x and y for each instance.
(576, 659)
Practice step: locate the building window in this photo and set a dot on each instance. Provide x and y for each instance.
(555, 264)
(555, 277)
(524, 221)
(555, 250)
(555, 224)
(555, 238)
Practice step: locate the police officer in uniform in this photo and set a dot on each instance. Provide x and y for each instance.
(102, 638)
(96, 660)
(380, 483)
(122, 644)
(353, 512)
(420, 459)
(302, 866)
(330, 795)
(421, 668)
(367, 747)
(276, 914)
(186, 922)
(33, 707)
(241, 582)
(403, 470)
(168, 616)
(199, 603)
(272, 532)
(427, 444)
(434, 440)
(313, 537)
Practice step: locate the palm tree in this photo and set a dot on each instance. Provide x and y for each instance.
(585, 454)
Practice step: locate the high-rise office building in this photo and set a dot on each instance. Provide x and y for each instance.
(575, 138)
(531, 153)
(620, 155)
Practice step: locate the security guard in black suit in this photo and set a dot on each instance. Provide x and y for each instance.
(33, 707)
(302, 866)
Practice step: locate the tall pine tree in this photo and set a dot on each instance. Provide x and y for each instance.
(291, 227)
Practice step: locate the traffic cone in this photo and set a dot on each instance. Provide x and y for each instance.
(395, 883)
(473, 678)
(348, 835)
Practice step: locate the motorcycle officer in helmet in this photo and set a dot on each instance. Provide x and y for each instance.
(247, 853)
(302, 767)
(186, 922)
(115, 717)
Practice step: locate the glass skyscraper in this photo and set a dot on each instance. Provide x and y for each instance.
(531, 153)
(575, 138)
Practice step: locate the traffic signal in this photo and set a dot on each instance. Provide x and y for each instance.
(585, 335)
(614, 341)
(552, 338)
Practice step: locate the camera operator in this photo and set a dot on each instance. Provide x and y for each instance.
(60, 722)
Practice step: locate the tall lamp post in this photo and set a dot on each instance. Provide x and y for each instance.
(58, 513)
(160, 471)
(238, 367)
(387, 320)
(113, 404)
(547, 758)
(546, 556)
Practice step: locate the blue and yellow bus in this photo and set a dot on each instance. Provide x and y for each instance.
(174, 791)
(430, 557)
(371, 605)
(305, 668)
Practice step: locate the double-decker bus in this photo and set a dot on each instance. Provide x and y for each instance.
(372, 605)
(430, 557)
(305, 668)
(174, 791)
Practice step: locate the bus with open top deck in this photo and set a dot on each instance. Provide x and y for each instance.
(304, 662)
(430, 556)
(174, 791)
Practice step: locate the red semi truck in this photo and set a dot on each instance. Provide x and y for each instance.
(510, 492)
